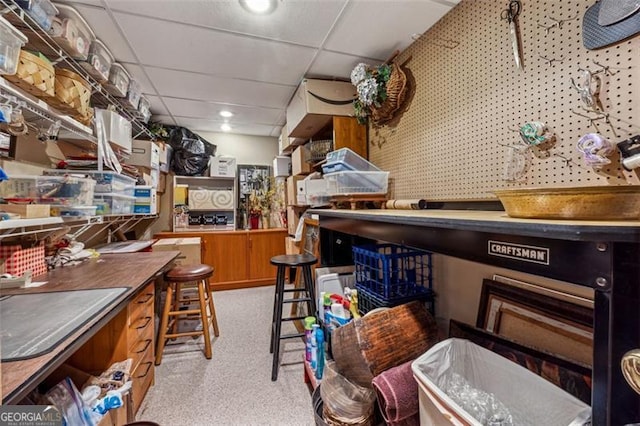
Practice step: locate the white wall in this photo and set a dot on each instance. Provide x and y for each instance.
(259, 150)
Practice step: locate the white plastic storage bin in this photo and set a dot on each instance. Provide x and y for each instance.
(457, 367)
(63, 190)
(357, 182)
(118, 83)
(98, 61)
(143, 193)
(73, 211)
(72, 32)
(134, 92)
(41, 11)
(144, 108)
(113, 204)
(11, 40)
(116, 127)
(106, 181)
(345, 159)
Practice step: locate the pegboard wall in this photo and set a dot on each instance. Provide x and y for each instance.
(467, 94)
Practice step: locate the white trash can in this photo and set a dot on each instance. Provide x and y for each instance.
(530, 399)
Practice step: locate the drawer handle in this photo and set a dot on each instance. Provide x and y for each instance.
(146, 320)
(149, 297)
(147, 343)
(149, 364)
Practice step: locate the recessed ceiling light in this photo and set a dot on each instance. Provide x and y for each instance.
(225, 127)
(261, 7)
(226, 114)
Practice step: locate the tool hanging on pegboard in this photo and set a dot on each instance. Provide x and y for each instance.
(510, 14)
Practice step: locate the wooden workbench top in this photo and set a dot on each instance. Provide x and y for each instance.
(132, 270)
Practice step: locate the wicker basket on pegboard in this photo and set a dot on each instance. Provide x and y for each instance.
(396, 91)
(34, 75)
(72, 94)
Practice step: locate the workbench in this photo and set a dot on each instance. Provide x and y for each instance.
(137, 271)
(603, 255)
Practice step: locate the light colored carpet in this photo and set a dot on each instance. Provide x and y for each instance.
(234, 387)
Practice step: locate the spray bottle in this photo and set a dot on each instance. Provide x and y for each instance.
(308, 328)
(314, 346)
(320, 355)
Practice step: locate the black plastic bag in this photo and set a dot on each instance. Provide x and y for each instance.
(190, 152)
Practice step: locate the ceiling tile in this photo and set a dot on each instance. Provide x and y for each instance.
(394, 23)
(199, 125)
(105, 29)
(211, 110)
(138, 75)
(180, 84)
(183, 47)
(276, 132)
(300, 22)
(157, 107)
(337, 65)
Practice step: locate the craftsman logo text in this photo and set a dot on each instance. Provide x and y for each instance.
(519, 252)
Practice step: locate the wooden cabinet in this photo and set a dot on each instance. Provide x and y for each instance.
(240, 258)
(130, 334)
(347, 133)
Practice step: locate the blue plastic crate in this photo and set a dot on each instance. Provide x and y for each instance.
(368, 301)
(391, 271)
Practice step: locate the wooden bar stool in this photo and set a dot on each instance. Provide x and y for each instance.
(304, 261)
(171, 314)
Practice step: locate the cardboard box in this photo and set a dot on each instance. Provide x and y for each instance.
(293, 217)
(190, 251)
(222, 166)
(145, 154)
(299, 157)
(166, 153)
(307, 113)
(162, 183)
(292, 190)
(27, 211)
(292, 246)
(150, 176)
(310, 190)
(281, 166)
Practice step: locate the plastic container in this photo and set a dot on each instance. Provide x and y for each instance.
(143, 209)
(528, 398)
(144, 108)
(368, 300)
(11, 40)
(114, 204)
(345, 159)
(350, 182)
(106, 181)
(73, 211)
(72, 32)
(98, 61)
(134, 92)
(62, 190)
(41, 11)
(143, 193)
(118, 83)
(392, 272)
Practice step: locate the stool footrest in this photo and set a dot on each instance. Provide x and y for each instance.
(186, 333)
(297, 299)
(185, 312)
(292, 318)
(291, 336)
(291, 290)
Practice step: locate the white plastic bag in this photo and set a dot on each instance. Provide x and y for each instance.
(530, 399)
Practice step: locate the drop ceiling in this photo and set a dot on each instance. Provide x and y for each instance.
(195, 58)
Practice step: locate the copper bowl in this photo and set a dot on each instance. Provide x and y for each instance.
(586, 203)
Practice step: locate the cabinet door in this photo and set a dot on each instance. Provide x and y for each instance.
(347, 133)
(262, 247)
(227, 253)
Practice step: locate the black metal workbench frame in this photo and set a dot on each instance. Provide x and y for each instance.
(605, 257)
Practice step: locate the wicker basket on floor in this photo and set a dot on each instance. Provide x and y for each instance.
(72, 93)
(367, 346)
(396, 92)
(35, 75)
